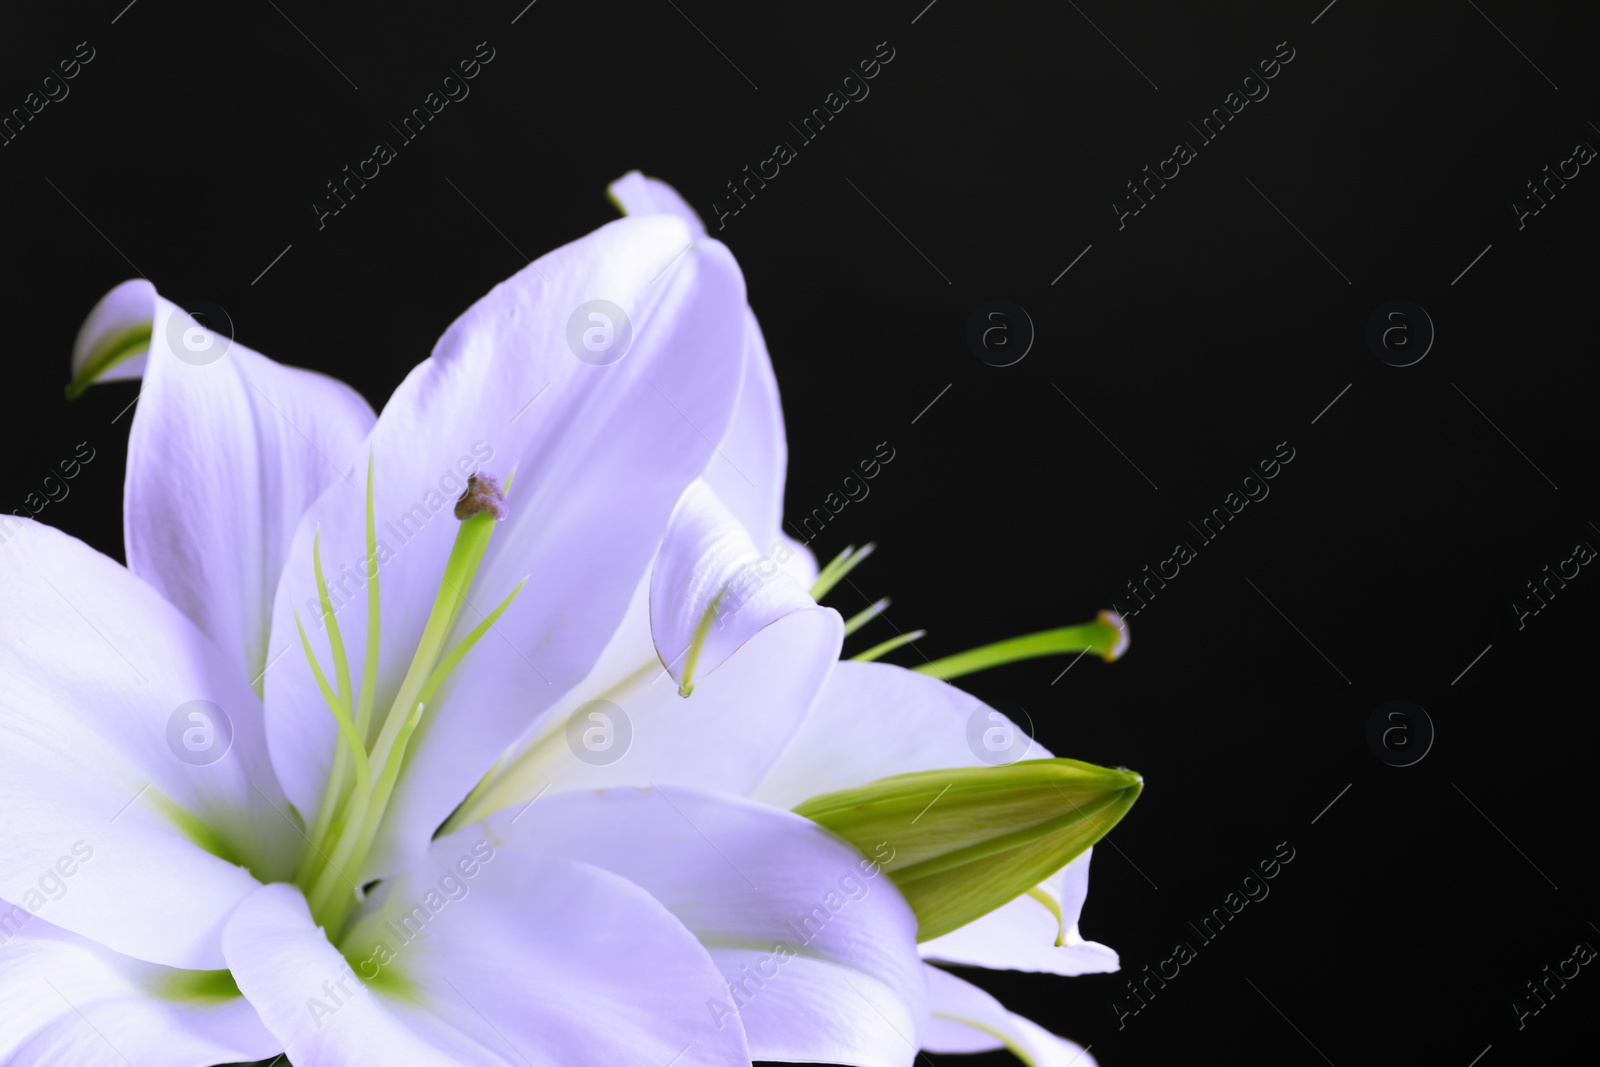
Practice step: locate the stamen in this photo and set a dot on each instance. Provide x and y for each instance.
(877, 651)
(866, 615)
(842, 565)
(1107, 635)
(483, 495)
(341, 714)
(341, 664)
(692, 656)
(1054, 907)
(369, 666)
(350, 746)
(448, 664)
(356, 829)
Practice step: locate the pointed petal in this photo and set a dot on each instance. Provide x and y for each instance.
(712, 589)
(752, 459)
(818, 947)
(525, 960)
(113, 342)
(65, 999)
(966, 1019)
(1022, 935)
(227, 450)
(100, 680)
(602, 453)
(897, 721)
(636, 194)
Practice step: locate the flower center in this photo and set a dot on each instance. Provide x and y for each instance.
(363, 776)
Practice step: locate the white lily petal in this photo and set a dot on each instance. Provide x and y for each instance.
(100, 680)
(526, 960)
(227, 450)
(816, 944)
(752, 462)
(542, 759)
(106, 333)
(897, 721)
(636, 194)
(601, 452)
(1021, 935)
(722, 738)
(66, 1000)
(966, 1019)
(625, 723)
(712, 589)
(752, 459)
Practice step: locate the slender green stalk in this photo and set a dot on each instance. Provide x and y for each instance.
(330, 904)
(838, 568)
(864, 616)
(1106, 635)
(884, 648)
(369, 665)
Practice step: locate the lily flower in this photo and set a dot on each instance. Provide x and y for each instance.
(227, 762)
(734, 581)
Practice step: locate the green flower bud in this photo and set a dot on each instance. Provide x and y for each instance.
(964, 841)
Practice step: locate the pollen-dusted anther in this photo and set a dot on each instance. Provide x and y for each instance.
(483, 494)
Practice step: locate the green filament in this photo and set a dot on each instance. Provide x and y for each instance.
(836, 571)
(351, 814)
(888, 646)
(864, 616)
(1106, 635)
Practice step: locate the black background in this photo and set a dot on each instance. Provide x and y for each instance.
(1196, 338)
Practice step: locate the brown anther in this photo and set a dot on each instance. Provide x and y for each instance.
(483, 494)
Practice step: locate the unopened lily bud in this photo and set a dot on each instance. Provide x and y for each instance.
(964, 841)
